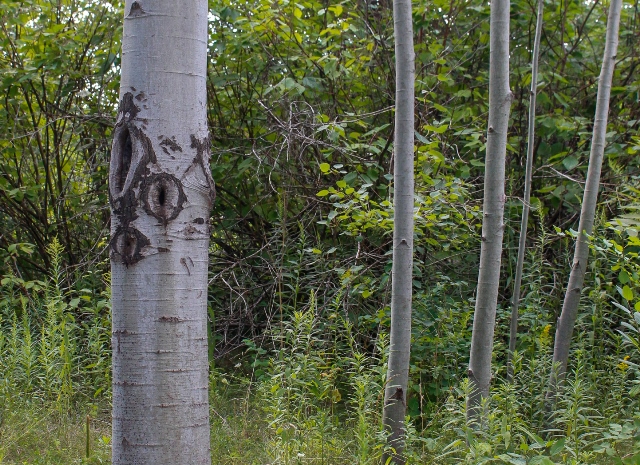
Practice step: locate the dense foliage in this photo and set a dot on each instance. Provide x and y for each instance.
(301, 119)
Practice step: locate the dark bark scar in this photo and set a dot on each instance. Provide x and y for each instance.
(136, 10)
(132, 155)
(201, 160)
(128, 244)
(184, 263)
(163, 197)
(398, 395)
(171, 144)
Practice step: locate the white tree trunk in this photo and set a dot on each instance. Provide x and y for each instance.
(500, 98)
(161, 193)
(571, 302)
(402, 270)
(513, 333)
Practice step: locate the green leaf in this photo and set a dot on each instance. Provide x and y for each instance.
(570, 162)
(557, 446)
(337, 10)
(623, 277)
(325, 167)
(323, 193)
(541, 460)
(627, 293)
(633, 460)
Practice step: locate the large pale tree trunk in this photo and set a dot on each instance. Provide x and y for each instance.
(500, 98)
(160, 193)
(513, 333)
(571, 302)
(402, 270)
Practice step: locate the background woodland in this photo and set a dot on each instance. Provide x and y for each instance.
(301, 117)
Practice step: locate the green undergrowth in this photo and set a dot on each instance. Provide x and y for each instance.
(326, 411)
(36, 432)
(311, 391)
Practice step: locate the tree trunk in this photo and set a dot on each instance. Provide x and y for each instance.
(402, 270)
(500, 98)
(161, 193)
(513, 333)
(571, 302)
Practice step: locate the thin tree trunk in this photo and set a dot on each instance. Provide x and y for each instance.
(402, 271)
(513, 333)
(500, 98)
(161, 192)
(571, 302)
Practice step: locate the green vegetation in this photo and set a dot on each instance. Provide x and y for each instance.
(300, 110)
(317, 397)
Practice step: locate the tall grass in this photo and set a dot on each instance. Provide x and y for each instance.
(54, 340)
(312, 392)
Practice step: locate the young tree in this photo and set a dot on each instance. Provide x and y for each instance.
(500, 98)
(402, 270)
(513, 332)
(571, 302)
(161, 193)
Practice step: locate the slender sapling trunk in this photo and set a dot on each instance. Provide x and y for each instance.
(513, 330)
(569, 313)
(500, 98)
(402, 270)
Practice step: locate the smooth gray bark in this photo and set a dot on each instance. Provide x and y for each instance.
(567, 319)
(161, 191)
(403, 201)
(513, 330)
(500, 98)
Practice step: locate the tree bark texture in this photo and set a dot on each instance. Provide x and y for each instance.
(161, 193)
(500, 98)
(513, 330)
(569, 313)
(403, 199)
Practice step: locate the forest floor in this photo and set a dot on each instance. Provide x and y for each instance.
(40, 434)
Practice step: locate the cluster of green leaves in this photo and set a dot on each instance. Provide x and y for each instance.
(58, 62)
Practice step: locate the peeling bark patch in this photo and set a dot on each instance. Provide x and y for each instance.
(163, 197)
(128, 243)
